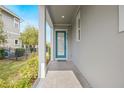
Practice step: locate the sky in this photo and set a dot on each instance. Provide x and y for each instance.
(30, 16)
(28, 13)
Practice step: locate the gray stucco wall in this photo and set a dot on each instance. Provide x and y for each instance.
(100, 53)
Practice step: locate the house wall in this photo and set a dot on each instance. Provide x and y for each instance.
(100, 53)
(13, 33)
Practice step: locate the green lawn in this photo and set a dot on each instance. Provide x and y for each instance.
(9, 68)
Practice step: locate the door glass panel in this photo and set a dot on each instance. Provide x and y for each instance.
(60, 49)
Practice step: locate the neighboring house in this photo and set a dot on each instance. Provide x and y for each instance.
(91, 37)
(11, 26)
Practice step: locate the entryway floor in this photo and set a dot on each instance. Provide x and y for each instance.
(61, 79)
(61, 74)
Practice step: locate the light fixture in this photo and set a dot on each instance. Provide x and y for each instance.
(63, 16)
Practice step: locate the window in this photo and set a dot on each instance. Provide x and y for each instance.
(121, 18)
(16, 23)
(16, 42)
(78, 30)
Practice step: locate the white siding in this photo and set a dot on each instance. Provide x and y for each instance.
(13, 33)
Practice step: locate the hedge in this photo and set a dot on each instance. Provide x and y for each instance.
(2, 53)
(19, 52)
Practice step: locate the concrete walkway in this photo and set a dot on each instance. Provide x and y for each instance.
(62, 75)
(61, 79)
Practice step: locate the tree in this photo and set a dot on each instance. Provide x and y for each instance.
(3, 36)
(30, 36)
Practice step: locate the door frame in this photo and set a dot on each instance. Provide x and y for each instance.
(66, 31)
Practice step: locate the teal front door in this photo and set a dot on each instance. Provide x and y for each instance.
(60, 44)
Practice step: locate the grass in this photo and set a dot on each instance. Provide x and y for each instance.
(9, 68)
(19, 74)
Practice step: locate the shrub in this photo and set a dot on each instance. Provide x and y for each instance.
(2, 53)
(47, 58)
(3, 84)
(31, 49)
(48, 53)
(26, 75)
(19, 52)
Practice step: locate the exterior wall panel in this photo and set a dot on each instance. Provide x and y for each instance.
(13, 33)
(99, 54)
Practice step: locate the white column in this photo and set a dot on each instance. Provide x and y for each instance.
(42, 42)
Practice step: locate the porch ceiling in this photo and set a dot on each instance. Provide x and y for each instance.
(57, 11)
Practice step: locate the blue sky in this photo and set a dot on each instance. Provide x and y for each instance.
(29, 13)
(30, 16)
